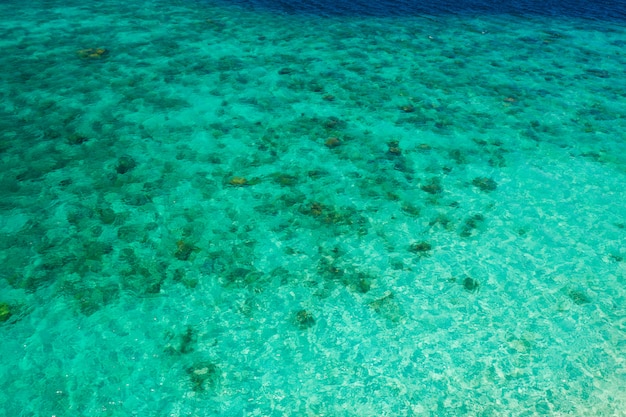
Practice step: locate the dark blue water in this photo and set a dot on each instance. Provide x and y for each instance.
(606, 10)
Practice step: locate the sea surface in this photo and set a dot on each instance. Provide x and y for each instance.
(320, 208)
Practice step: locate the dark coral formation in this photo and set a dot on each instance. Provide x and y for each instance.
(470, 284)
(432, 186)
(203, 375)
(485, 184)
(304, 319)
(470, 224)
(420, 247)
(125, 164)
(92, 53)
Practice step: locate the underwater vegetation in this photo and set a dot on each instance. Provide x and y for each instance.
(5, 312)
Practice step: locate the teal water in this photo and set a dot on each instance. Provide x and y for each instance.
(212, 209)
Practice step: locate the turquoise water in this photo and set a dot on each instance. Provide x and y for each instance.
(240, 210)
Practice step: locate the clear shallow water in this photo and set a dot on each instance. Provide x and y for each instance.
(181, 234)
